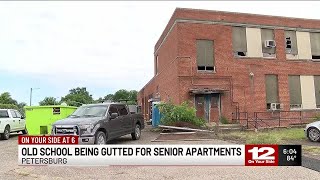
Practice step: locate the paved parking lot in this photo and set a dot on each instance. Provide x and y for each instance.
(10, 170)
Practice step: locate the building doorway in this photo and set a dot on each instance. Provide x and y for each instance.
(208, 106)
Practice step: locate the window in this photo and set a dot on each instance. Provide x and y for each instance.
(271, 90)
(268, 51)
(239, 41)
(291, 42)
(18, 114)
(205, 56)
(113, 109)
(13, 114)
(295, 92)
(214, 101)
(315, 45)
(4, 114)
(199, 100)
(156, 65)
(317, 90)
(122, 110)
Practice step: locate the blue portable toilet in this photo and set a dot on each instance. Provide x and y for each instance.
(156, 116)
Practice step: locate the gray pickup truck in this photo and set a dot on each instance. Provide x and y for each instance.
(99, 123)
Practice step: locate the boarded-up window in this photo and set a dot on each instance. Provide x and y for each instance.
(317, 90)
(291, 42)
(295, 90)
(205, 56)
(272, 88)
(315, 44)
(267, 34)
(239, 41)
(156, 65)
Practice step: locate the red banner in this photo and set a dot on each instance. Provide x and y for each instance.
(261, 155)
(48, 140)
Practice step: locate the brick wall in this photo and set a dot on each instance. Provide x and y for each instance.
(178, 70)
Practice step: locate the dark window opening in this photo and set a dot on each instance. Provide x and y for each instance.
(205, 68)
(201, 68)
(268, 106)
(241, 53)
(288, 43)
(209, 68)
(315, 57)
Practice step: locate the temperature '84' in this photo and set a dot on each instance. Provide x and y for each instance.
(291, 158)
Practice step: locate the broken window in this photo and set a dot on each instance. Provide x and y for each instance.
(291, 42)
(268, 43)
(205, 55)
(239, 41)
(295, 92)
(315, 45)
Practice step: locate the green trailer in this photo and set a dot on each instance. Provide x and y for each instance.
(40, 118)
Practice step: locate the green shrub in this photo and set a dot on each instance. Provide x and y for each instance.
(172, 114)
(224, 120)
(317, 117)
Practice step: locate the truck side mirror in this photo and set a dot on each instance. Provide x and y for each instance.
(113, 115)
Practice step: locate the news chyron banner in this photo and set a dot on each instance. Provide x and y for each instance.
(65, 151)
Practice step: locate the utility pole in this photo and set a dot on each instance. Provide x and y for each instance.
(31, 89)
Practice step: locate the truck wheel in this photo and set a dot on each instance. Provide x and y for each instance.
(6, 133)
(137, 132)
(25, 131)
(314, 134)
(100, 138)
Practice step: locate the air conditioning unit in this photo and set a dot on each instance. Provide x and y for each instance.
(270, 44)
(276, 106)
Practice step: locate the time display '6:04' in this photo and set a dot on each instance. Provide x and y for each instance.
(289, 151)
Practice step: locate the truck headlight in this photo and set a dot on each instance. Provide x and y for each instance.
(87, 127)
(53, 130)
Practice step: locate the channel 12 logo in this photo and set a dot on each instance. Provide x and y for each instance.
(261, 155)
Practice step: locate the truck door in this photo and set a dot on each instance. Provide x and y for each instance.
(115, 125)
(126, 120)
(14, 121)
(21, 122)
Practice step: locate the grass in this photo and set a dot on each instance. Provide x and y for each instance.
(275, 136)
(311, 149)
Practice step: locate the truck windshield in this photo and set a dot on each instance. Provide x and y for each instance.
(90, 111)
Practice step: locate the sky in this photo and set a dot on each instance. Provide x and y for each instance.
(102, 45)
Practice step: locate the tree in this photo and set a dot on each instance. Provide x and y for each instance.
(21, 106)
(48, 101)
(5, 98)
(77, 97)
(124, 95)
(109, 97)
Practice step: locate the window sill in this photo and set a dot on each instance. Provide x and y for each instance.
(205, 72)
(255, 58)
(304, 60)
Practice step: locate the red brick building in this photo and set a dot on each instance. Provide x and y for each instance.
(226, 63)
